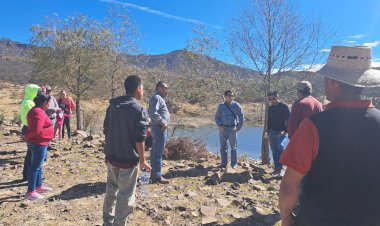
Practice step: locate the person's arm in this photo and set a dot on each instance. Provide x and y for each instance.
(241, 118)
(218, 122)
(154, 106)
(268, 122)
(141, 126)
(286, 117)
(293, 122)
(35, 124)
(288, 195)
(105, 123)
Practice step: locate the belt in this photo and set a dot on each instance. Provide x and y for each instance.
(229, 125)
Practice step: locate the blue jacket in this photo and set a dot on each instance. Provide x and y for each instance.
(224, 116)
(158, 111)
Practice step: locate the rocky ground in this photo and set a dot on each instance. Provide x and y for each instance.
(199, 192)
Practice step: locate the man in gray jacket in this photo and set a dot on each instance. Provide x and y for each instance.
(229, 119)
(160, 118)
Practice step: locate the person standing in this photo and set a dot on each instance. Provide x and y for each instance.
(54, 108)
(39, 134)
(278, 115)
(336, 152)
(229, 118)
(27, 103)
(160, 119)
(67, 103)
(125, 128)
(305, 106)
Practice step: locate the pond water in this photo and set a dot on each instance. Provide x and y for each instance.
(249, 139)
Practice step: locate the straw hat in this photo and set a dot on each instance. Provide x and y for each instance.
(351, 65)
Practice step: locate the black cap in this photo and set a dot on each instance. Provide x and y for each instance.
(228, 93)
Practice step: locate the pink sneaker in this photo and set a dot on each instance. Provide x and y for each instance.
(43, 189)
(33, 195)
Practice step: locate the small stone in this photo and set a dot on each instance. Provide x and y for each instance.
(190, 194)
(223, 202)
(181, 208)
(235, 186)
(258, 187)
(208, 211)
(236, 215)
(24, 205)
(56, 154)
(195, 213)
(208, 220)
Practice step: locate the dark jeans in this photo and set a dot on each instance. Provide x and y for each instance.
(66, 123)
(27, 161)
(38, 153)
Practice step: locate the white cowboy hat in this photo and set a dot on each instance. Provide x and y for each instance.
(351, 65)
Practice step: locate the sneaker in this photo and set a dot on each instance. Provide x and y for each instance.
(235, 167)
(222, 166)
(43, 189)
(33, 195)
(160, 180)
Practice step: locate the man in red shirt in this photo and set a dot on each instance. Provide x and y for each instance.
(305, 106)
(336, 152)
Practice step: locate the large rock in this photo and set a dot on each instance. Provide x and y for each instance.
(209, 220)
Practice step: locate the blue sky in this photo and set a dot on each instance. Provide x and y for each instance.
(166, 25)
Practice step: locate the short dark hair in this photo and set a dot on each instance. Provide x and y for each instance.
(273, 93)
(159, 84)
(40, 99)
(131, 84)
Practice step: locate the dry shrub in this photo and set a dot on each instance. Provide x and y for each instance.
(185, 148)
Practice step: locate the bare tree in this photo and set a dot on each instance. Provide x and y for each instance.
(272, 38)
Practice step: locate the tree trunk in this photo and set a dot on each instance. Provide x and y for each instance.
(78, 112)
(265, 138)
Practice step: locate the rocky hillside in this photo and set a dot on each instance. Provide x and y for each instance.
(15, 63)
(199, 192)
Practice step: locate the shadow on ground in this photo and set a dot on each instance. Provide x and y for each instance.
(82, 190)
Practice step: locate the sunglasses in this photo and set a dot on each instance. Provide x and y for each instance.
(271, 99)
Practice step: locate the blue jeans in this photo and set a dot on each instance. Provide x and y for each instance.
(231, 136)
(277, 142)
(158, 146)
(38, 154)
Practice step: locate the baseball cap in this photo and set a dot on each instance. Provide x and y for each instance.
(228, 93)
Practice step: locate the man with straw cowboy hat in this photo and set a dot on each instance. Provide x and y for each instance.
(337, 151)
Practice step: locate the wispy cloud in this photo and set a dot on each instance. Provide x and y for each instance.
(376, 62)
(371, 44)
(161, 14)
(349, 41)
(357, 36)
(325, 50)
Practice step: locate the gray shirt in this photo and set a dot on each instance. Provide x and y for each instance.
(53, 107)
(158, 111)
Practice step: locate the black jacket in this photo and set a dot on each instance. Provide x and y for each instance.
(125, 124)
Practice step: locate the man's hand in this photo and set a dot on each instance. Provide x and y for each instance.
(287, 220)
(221, 128)
(236, 130)
(145, 165)
(164, 127)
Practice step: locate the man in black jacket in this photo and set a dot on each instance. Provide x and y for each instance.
(125, 128)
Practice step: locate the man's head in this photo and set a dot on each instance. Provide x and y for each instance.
(347, 71)
(134, 87)
(63, 94)
(162, 88)
(48, 89)
(228, 96)
(304, 89)
(273, 97)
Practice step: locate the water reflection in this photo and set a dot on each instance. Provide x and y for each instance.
(249, 139)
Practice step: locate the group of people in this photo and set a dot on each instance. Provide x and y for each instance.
(331, 157)
(42, 117)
